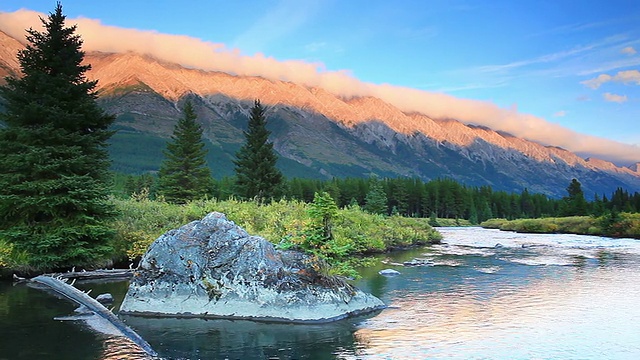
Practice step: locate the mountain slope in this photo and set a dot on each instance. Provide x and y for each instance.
(318, 134)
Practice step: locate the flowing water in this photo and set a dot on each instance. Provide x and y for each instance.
(481, 294)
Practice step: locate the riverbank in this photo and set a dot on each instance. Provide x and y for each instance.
(620, 225)
(284, 223)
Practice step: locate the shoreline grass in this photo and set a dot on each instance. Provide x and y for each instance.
(612, 225)
(355, 232)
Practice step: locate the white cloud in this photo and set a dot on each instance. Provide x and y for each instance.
(560, 113)
(615, 98)
(195, 53)
(315, 46)
(625, 77)
(629, 50)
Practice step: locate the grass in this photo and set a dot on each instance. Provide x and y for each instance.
(617, 225)
(355, 232)
(446, 222)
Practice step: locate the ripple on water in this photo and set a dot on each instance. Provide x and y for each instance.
(121, 348)
(573, 300)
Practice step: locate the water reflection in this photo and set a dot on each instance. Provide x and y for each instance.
(233, 339)
(28, 329)
(121, 348)
(554, 297)
(535, 302)
(579, 317)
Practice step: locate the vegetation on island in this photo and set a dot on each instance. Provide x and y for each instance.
(333, 234)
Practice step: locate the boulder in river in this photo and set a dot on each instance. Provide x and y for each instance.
(389, 272)
(213, 268)
(105, 299)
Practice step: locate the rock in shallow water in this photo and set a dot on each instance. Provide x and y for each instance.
(105, 299)
(213, 268)
(389, 272)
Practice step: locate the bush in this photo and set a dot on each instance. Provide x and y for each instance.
(612, 224)
(493, 223)
(288, 224)
(10, 258)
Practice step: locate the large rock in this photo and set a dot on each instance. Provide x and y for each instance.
(213, 268)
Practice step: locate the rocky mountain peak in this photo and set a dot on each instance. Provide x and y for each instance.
(329, 134)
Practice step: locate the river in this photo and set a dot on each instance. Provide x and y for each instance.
(481, 294)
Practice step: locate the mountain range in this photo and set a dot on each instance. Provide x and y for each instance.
(318, 134)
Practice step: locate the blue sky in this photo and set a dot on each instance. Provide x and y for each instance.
(573, 63)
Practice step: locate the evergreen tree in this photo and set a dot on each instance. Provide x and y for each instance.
(433, 220)
(322, 211)
(473, 212)
(255, 164)
(53, 159)
(184, 174)
(575, 203)
(376, 200)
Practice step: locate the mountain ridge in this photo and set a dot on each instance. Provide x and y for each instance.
(348, 111)
(330, 135)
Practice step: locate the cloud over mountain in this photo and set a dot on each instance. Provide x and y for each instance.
(195, 53)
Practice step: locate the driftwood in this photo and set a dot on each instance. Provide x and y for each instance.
(93, 305)
(114, 274)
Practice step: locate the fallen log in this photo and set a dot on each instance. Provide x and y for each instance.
(114, 274)
(93, 305)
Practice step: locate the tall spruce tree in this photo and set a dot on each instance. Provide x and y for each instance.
(53, 159)
(184, 174)
(376, 199)
(255, 164)
(574, 204)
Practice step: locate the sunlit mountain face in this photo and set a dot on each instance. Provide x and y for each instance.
(319, 134)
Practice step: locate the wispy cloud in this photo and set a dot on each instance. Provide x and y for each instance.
(629, 50)
(284, 18)
(471, 86)
(315, 46)
(420, 33)
(614, 98)
(609, 65)
(563, 63)
(625, 77)
(571, 28)
(560, 113)
(195, 53)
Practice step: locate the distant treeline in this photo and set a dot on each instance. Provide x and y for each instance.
(441, 198)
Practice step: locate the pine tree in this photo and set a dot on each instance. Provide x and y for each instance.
(255, 164)
(53, 159)
(376, 199)
(184, 174)
(574, 204)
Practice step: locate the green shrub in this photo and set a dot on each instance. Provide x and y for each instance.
(493, 223)
(612, 224)
(332, 234)
(10, 258)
